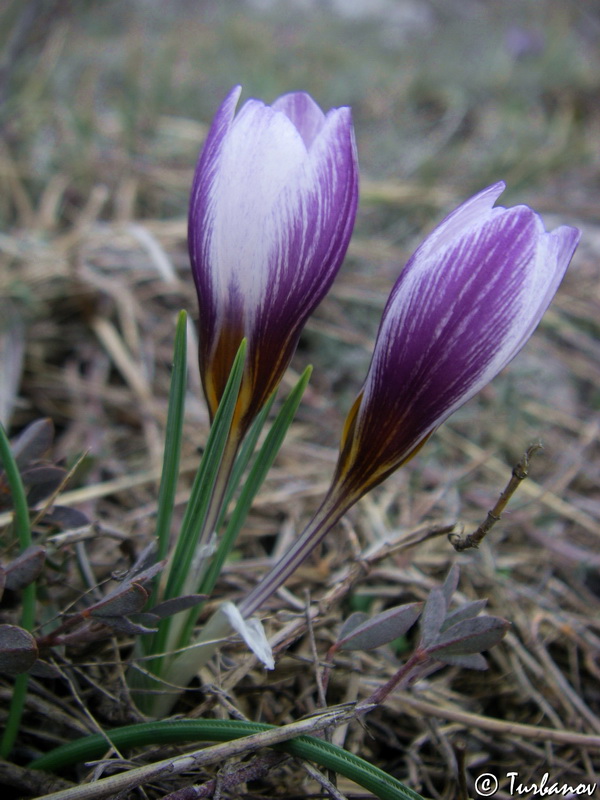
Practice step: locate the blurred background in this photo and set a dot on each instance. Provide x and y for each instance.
(451, 94)
(103, 110)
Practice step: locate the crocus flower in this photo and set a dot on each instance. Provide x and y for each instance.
(465, 304)
(272, 208)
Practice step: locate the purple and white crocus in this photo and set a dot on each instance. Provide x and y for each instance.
(464, 305)
(272, 209)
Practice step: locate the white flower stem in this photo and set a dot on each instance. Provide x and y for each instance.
(324, 519)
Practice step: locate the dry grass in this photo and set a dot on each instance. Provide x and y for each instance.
(93, 279)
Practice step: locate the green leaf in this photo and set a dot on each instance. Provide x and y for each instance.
(17, 489)
(184, 561)
(170, 468)
(204, 482)
(23, 529)
(263, 462)
(245, 454)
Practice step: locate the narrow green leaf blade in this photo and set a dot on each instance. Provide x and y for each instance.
(172, 453)
(204, 482)
(23, 528)
(256, 476)
(245, 455)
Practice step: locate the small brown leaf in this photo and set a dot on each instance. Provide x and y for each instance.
(177, 604)
(42, 482)
(432, 617)
(473, 661)
(126, 625)
(33, 442)
(42, 669)
(382, 628)
(66, 518)
(127, 600)
(466, 611)
(353, 621)
(451, 583)
(25, 568)
(469, 636)
(18, 650)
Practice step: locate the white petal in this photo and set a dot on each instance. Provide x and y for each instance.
(472, 213)
(302, 110)
(252, 632)
(262, 157)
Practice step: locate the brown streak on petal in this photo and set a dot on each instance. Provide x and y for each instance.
(351, 476)
(264, 371)
(385, 471)
(219, 365)
(350, 423)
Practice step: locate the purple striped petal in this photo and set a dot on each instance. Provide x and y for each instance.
(303, 112)
(272, 210)
(466, 303)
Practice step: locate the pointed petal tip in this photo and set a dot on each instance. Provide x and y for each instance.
(292, 99)
(471, 213)
(495, 188)
(490, 193)
(564, 240)
(233, 96)
(571, 234)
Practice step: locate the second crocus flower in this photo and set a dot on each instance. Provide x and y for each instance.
(464, 305)
(272, 209)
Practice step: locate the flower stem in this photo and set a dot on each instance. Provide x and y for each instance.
(324, 519)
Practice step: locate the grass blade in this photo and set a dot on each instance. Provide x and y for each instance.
(260, 468)
(171, 458)
(243, 459)
(204, 482)
(185, 557)
(170, 470)
(23, 530)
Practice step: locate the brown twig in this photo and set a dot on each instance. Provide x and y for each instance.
(519, 473)
(404, 700)
(257, 768)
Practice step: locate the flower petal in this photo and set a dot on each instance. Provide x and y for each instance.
(462, 308)
(303, 112)
(252, 632)
(272, 211)
(472, 212)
